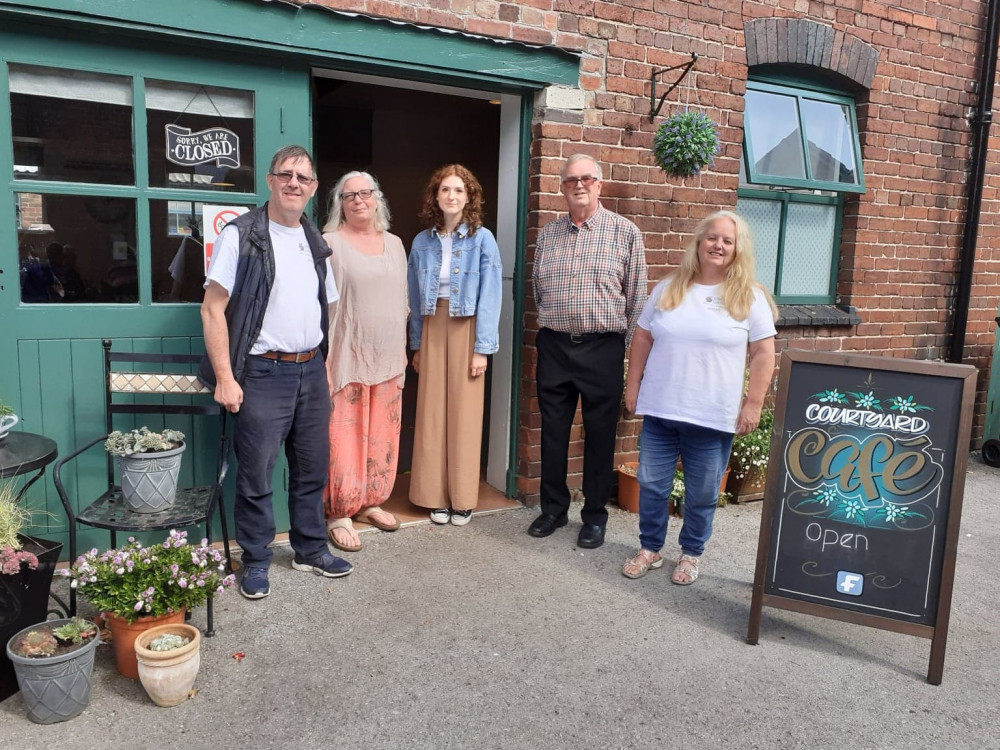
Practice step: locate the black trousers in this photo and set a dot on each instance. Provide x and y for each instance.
(588, 369)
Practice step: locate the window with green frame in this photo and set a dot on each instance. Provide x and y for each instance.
(801, 157)
(84, 189)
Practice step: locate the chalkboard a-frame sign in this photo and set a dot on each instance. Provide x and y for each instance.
(864, 493)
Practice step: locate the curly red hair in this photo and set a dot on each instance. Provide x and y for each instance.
(473, 213)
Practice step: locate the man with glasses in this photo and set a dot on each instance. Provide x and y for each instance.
(265, 316)
(589, 279)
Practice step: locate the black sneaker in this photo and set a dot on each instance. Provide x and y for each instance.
(461, 517)
(253, 583)
(326, 564)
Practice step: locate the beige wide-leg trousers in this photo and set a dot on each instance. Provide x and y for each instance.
(449, 427)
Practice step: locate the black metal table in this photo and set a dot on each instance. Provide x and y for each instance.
(24, 452)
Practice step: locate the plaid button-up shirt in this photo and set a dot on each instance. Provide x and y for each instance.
(591, 278)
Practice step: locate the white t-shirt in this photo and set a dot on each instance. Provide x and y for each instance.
(292, 319)
(695, 369)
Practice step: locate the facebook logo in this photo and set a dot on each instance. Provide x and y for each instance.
(851, 584)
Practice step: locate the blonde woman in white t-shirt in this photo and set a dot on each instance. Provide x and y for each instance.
(367, 359)
(687, 362)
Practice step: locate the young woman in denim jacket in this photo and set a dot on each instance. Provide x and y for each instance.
(454, 281)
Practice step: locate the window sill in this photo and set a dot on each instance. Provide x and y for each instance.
(817, 315)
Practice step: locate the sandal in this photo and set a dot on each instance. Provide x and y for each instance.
(687, 569)
(642, 563)
(377, 517)
(347, 532)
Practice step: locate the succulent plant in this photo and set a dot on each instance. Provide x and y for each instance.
(76, 630)
(142, 441)
(168, 642)
(36, 643)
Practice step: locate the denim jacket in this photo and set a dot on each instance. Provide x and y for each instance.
(476, 283)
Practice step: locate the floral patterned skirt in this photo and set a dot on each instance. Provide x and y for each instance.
(364, 446)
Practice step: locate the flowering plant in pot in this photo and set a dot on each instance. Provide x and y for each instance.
(685, 143)
(150, 583)
(26, 567)
(149, 463)
(748, 459)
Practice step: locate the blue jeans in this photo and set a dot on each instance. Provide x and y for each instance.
(704, 452)
(290, 403)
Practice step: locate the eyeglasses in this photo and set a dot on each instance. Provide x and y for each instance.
(362, 194)
(586, 180)
(284, 177)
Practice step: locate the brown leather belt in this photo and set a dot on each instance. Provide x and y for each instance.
(290, 356)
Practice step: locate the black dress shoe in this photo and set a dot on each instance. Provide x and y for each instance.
(591, 536)
(546, 523)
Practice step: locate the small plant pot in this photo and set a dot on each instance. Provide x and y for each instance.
(124, 634)
(149, 480)
(168, 676)
(54, 688)
(628, 486)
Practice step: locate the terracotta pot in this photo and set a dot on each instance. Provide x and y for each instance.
(168, 676)
(124, 634)
(628, 488)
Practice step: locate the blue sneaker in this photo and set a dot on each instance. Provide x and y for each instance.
(325, 564)
(253, 583)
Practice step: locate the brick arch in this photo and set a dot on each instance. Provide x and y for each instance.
(799, 41)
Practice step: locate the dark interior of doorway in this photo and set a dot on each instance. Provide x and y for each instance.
(401, 136)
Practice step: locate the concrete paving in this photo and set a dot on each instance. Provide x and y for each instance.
(482, 637)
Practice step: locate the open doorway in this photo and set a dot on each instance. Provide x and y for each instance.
(401, 132)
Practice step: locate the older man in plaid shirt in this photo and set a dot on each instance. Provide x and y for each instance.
(590, 284)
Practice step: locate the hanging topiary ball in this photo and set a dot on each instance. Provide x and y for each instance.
(685, 143)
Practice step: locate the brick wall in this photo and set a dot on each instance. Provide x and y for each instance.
(901, 239)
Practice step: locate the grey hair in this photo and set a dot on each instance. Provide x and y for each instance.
(581, 157)
(290, 152)
(335, 216)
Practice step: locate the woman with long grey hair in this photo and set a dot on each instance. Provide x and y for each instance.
(367, 359)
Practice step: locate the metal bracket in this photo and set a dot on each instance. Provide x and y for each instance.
(654, 106)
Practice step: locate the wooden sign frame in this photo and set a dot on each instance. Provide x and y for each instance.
(873, 428)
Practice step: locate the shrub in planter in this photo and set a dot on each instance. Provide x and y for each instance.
(26, 567)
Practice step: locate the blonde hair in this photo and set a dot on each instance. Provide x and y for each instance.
(739, 285)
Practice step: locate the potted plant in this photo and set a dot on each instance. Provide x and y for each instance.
(169, 658)
(628, 488)
(685, 143)
(26, 567)
(138, 587)
(676, 498)
(53, 661)
(748, 460)
(149, 463)
(7, 419)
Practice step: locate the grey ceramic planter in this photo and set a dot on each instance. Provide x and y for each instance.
(149, 480)
(54, 688)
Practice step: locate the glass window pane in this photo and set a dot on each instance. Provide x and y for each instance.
(76, 249)
(831, 147)
(72, 126)
(772, 124)
(764, 218)
(178, 255)
(806, 261)
(200, 137)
